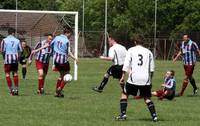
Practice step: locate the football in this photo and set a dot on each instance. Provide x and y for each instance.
(67, 78)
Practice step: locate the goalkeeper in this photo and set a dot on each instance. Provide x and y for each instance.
(24, 56)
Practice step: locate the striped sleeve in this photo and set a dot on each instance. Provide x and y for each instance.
(35, 47)
(20, 47)
(195, 46)
(169, 84)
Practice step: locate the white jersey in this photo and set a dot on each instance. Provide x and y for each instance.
(141, 63)
(118, 53)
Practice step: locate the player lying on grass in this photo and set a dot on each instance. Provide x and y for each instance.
(169, 87)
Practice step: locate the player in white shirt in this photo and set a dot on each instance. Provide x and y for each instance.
(117, 54)
(141, 63)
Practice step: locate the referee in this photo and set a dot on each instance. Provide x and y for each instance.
(117, 54)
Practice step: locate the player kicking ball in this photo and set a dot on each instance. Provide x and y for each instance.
(169, 87)
(61, 52)
(117, 54)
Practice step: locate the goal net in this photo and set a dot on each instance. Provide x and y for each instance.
(33, 26)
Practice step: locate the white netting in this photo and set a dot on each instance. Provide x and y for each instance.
(33, 26)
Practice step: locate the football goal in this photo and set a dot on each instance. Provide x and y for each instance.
(33, 26)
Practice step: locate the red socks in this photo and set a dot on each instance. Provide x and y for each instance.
(40, 84)
(185, 83)
(58, 83)
(62, 85)
(9, 82)
(16, 81)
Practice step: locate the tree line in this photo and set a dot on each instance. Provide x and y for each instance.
(127, 16)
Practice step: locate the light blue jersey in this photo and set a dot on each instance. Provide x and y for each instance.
(10, 47)
(60, 46)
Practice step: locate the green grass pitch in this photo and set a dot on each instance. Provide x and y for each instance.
(83, 107)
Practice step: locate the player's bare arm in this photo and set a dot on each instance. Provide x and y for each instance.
(106, 58)
(43, 47)
(198, 52)
(73, 57)
(177, 56)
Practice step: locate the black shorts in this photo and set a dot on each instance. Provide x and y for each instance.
(131, 89)
(115, 71)
(22, 61)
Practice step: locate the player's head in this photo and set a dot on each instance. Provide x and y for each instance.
(23, 42)
(111, 40)
(170, 73)
(67, 31)
(11, 31)
(185, 37)
(49, 38)
(138, 39)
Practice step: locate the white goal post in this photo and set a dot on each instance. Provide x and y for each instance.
(31, 12)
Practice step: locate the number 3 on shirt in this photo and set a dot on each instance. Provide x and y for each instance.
(140, 59)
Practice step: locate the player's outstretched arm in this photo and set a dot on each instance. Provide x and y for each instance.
(106, 58)
(179, 53)
(43, 47)
(73, 57)
(198, 52)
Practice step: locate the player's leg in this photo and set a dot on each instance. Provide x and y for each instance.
(8, 79)
(63, 69)
(192, 80)
(129, 89)
(24, 71)
(40, 81)
(15, 78)
(123, 107)
(16, 83)
(45, 71)
(185, 81)
(104, 81)
(60, 87)
(145, 91)
(151, 108)
(158, 93)
(40, 66)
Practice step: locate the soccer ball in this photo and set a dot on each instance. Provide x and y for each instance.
(67, 78)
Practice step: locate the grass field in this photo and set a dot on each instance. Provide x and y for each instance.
(83, 107)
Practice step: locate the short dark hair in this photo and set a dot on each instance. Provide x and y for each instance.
(138, 39)
(48, 34)
(11, 30)
(172, 72)
(114, 35)
(67, 29)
